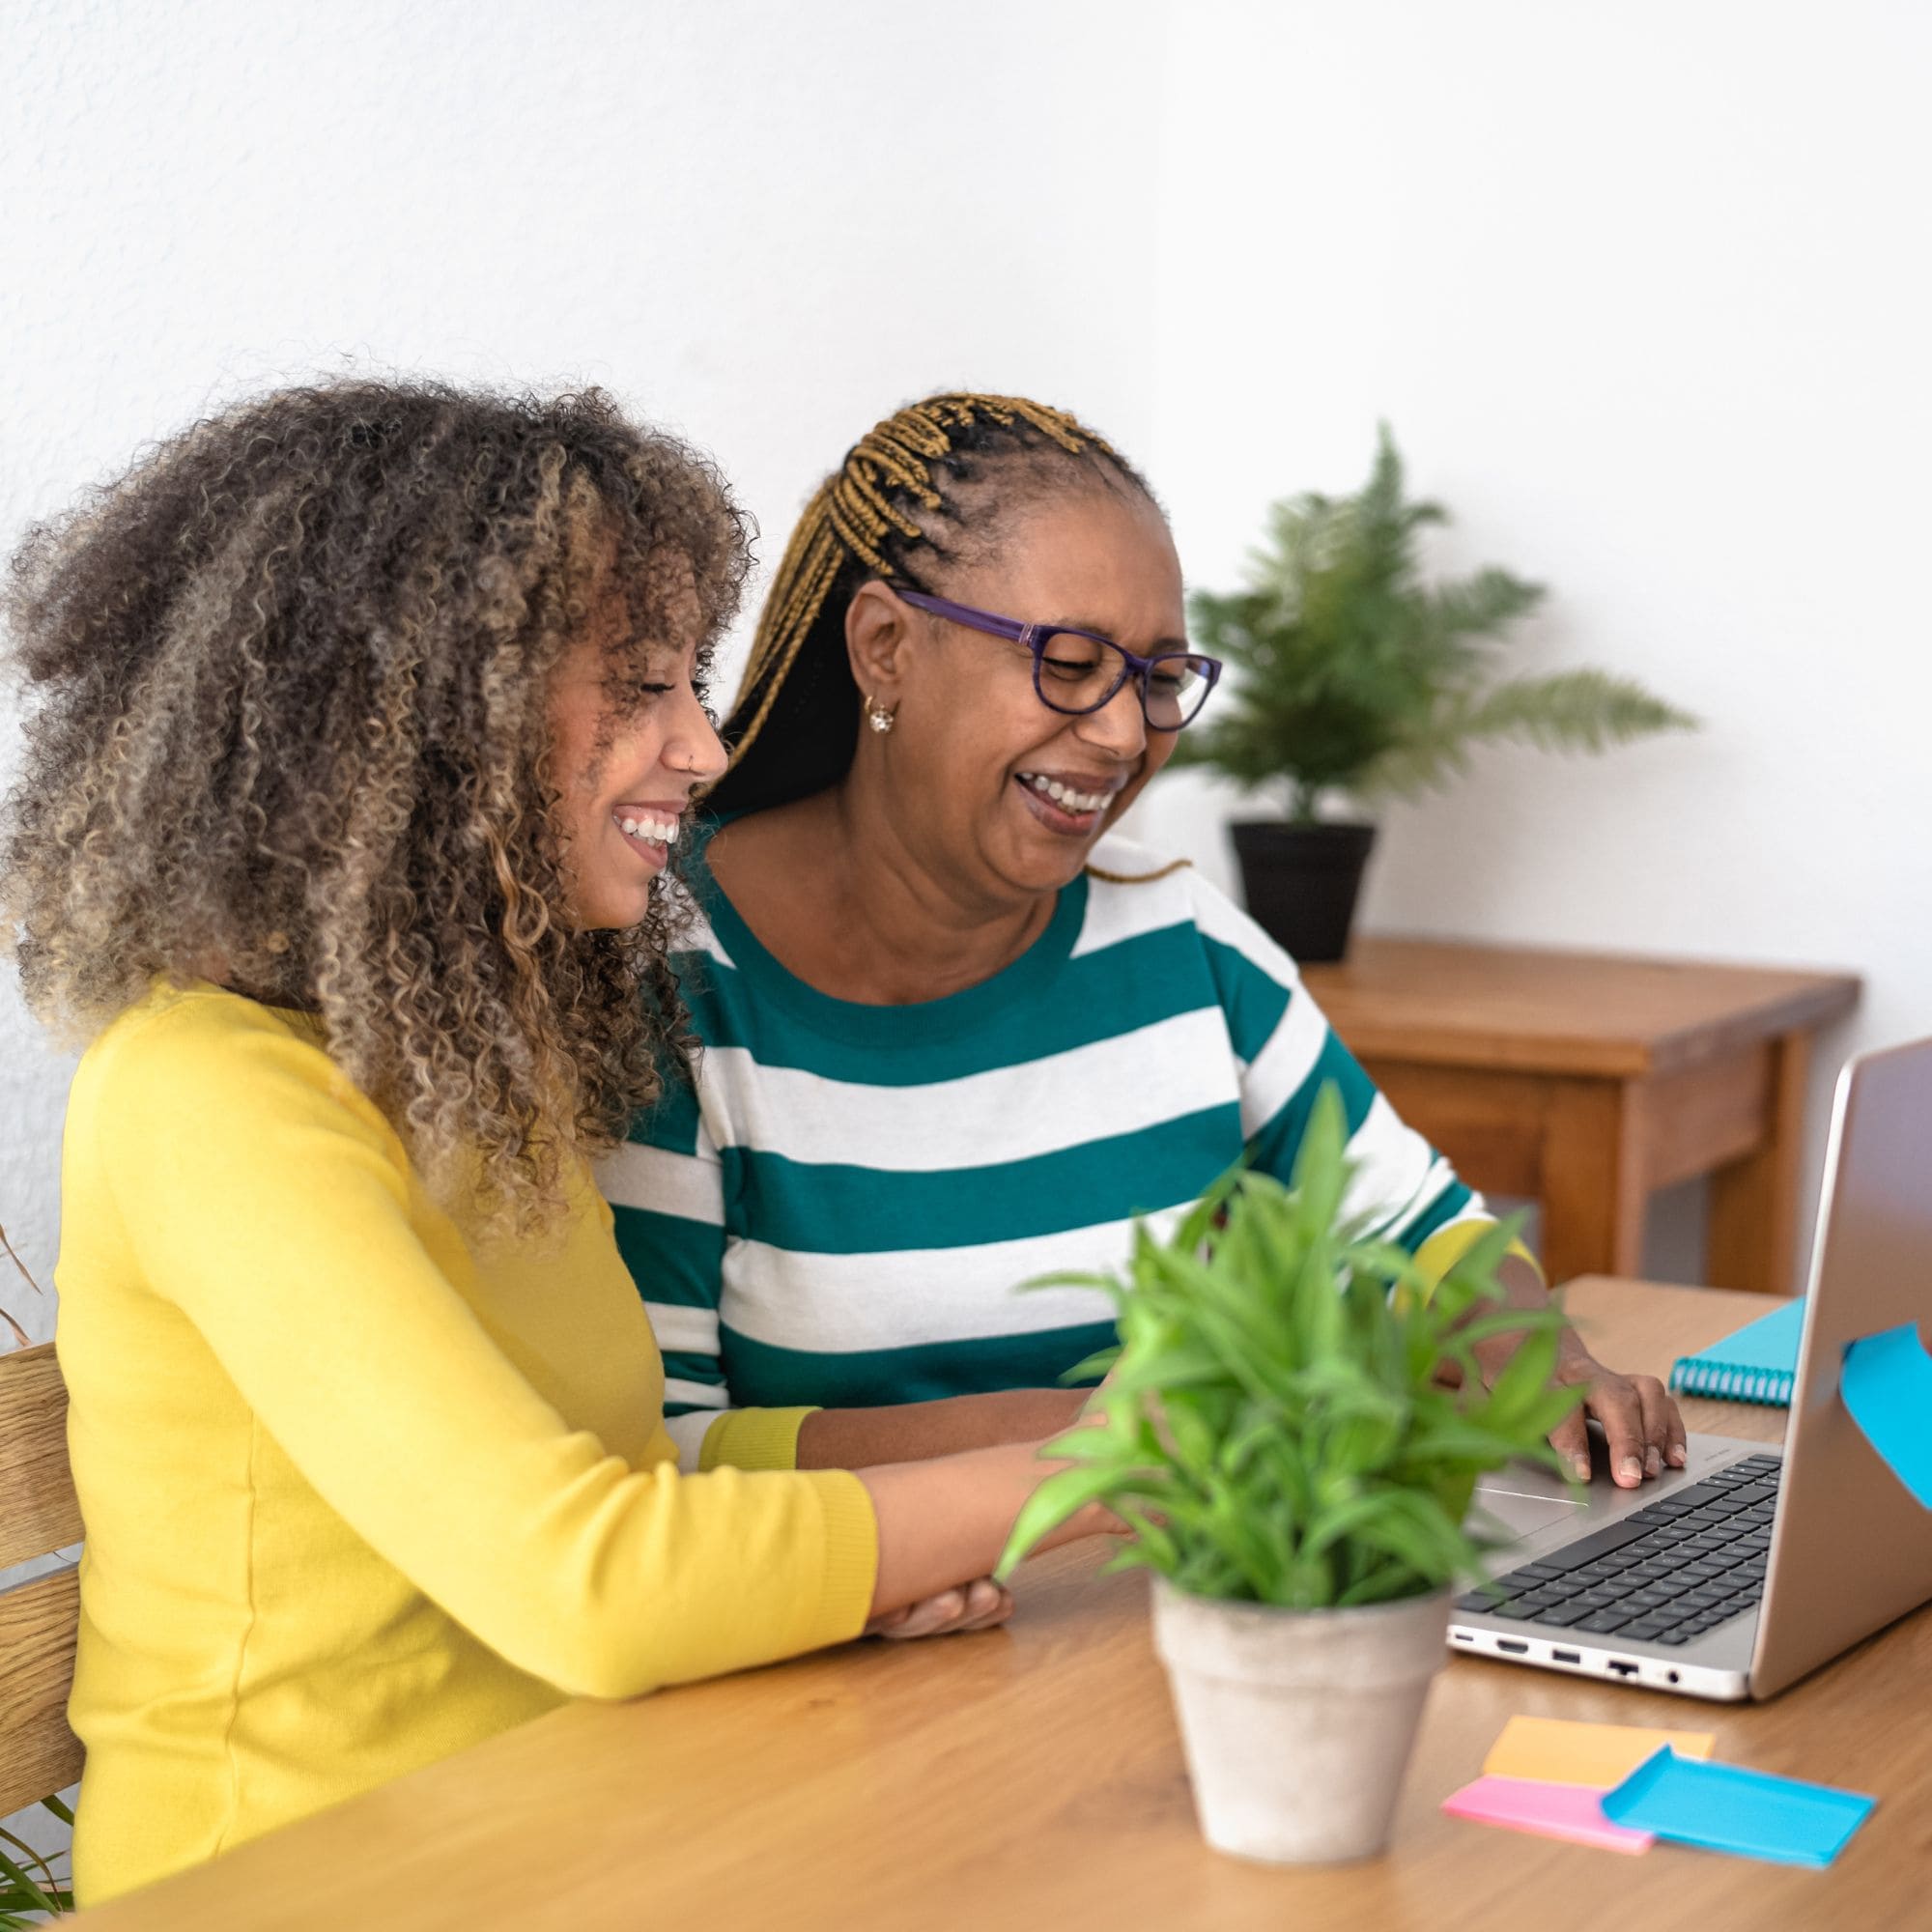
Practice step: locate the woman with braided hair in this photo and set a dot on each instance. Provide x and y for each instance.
(959, 1031)
(367, 715)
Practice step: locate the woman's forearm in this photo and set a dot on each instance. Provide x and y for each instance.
(915, 1432)
(946, 1522)
(1522, 1288)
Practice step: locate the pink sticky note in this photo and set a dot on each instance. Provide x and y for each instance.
(1572, 1812)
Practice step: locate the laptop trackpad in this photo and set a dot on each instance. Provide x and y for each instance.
(1524, 1515)
(1526, 1497)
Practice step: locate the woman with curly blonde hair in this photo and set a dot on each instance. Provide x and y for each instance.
(364, 720)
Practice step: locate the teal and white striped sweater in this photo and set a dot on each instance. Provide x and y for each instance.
(841, 1215)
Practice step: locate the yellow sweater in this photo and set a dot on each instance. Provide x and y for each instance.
(359, 1488)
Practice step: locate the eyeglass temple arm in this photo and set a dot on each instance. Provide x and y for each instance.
(1138, 667)
(973, 620)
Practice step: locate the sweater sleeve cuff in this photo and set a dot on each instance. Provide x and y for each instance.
(753, 1438)
(851, 1554)
(1444, 1248)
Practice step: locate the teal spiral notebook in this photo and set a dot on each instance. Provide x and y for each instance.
(1757, 1364)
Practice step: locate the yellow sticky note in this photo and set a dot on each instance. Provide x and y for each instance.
(1562, 1752)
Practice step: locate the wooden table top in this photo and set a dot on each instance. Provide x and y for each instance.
(1032, 1776)
(1538, 1010)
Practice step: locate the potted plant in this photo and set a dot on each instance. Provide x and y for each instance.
(1278, 1438)
(1356, 677)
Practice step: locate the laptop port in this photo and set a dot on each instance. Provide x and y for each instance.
(1623, 1666)
(1567, 1656)
(1514, 1645)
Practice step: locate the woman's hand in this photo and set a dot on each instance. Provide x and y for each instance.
(972, 1607)
(1642, 1428)
(947, 1519)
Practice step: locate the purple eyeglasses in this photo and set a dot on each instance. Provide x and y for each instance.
(1078, 671)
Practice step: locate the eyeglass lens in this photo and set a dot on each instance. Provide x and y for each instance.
(1078, 673)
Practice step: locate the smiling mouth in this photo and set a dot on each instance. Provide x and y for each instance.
(648, 830)
(1072, 809)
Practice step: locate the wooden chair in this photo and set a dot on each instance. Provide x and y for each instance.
(38, 1619)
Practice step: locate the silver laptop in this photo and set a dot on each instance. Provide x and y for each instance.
(1752, 1566)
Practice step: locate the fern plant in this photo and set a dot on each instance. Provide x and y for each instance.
(1353, 675)
(1275, 1428)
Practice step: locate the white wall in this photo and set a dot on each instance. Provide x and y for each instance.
(1640, 287)
(1646, 293)
(766, 225)
(763, 224)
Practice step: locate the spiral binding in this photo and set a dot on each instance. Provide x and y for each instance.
(1770, 1386)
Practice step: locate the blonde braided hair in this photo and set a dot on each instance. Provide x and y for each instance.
(894, 490)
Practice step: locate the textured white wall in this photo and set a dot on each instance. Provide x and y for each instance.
(1646, 293)
(1643, 291)
(765, 225)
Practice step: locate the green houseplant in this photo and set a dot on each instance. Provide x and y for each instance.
(1277, 1434)
(31, 1890)
(1354, 676)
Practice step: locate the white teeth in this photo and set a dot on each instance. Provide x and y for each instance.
(1077, 803)
(654, 831)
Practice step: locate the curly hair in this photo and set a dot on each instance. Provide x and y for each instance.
(291, 731)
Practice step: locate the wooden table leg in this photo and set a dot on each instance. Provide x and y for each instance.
(1754, 1201)
(1593, 1190)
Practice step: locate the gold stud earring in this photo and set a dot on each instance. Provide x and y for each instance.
(878, 716)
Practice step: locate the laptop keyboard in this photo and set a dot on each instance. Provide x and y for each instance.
(1664, 1574)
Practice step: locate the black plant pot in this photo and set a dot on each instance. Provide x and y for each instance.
(1302, 882)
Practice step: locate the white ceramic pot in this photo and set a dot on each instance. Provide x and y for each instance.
(1298, 1723)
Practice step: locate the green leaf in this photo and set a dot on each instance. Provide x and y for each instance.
(1063, 1494)
(1093, 1368)
(1072, 1278)
(30, 1897)
(1523, 1379)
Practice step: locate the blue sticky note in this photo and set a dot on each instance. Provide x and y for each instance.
(1887, 1383)
(1729, 1808)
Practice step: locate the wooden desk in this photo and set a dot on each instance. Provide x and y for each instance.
(1032, 1776)
(1584, 1081)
